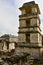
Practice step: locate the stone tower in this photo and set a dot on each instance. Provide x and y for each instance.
(30, 38)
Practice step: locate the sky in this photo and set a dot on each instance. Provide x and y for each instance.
(9, 15)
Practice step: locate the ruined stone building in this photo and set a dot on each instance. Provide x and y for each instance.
(7, 42)
(8, 54)
(29, 35)
(29, 40)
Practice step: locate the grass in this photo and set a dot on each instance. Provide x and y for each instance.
(36, 63)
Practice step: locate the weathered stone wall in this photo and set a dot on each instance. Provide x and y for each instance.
(13, 39)
(1, 46)
(18, 49)
(11, 46)
(22, 23)
(28, 16)
(23, 11)
(24, 29)
(35, 29)
(34, 10)
(38, 22)
(41, 52)
(34, 22)
(21, 37)
(34, 52)
(4, 46)
(29, 29)
(40, 39)
(34, 38)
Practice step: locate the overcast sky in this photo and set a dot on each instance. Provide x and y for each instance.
(9, 12)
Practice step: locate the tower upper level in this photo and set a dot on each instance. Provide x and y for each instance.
(29, 24)
(30, 8)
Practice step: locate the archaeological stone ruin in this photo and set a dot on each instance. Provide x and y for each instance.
(28, 45)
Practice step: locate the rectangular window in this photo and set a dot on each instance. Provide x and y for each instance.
(28, 38)
(28, 22)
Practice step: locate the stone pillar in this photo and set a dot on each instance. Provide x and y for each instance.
(19, 62)
(4, 46)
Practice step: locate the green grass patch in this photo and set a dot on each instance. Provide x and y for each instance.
(37, 63)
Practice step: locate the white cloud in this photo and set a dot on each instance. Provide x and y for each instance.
(8, 18)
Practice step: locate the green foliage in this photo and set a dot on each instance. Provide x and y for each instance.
(36, 63)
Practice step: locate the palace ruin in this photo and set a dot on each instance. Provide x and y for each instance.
(29, 43)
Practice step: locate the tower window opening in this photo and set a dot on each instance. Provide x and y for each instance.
(28, 11)
(28, 22)
(28, 38)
